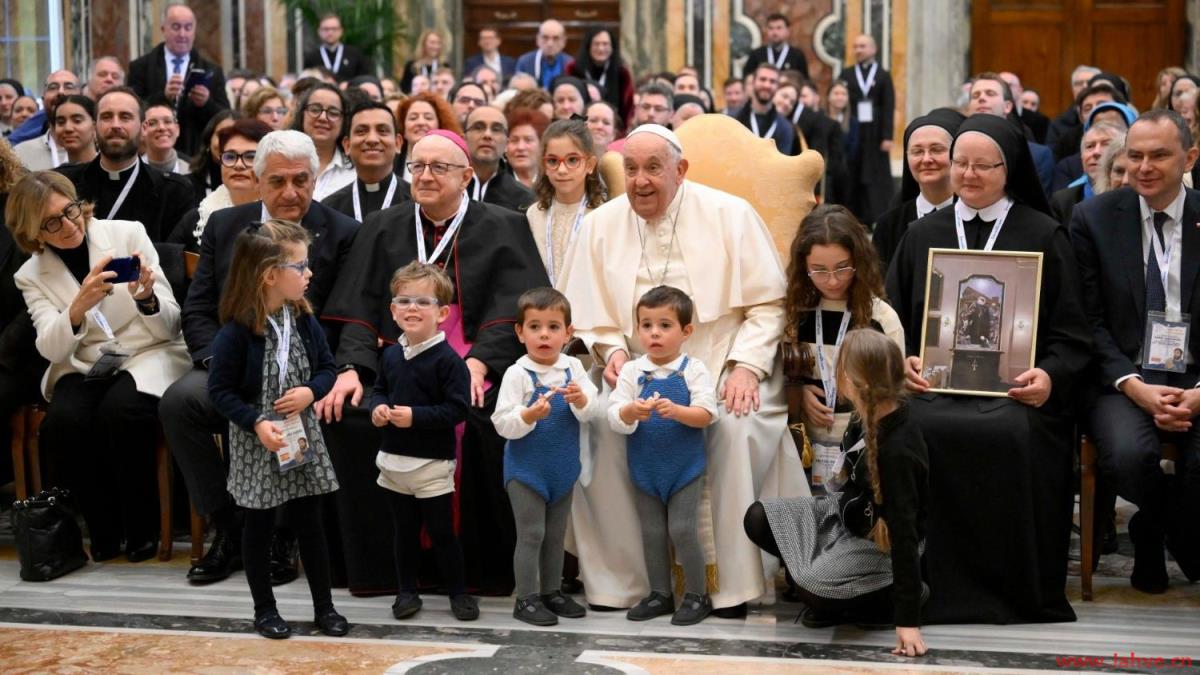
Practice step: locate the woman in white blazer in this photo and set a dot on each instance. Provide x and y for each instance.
(101, 425)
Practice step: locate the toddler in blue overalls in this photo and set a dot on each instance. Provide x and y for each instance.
(543, 403)
(663, 400)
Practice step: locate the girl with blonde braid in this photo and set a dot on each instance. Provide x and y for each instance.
(855, 554)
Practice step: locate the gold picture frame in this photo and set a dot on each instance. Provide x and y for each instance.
(986, 316)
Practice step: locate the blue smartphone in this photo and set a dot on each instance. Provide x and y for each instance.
(127, 269)
(196, 76)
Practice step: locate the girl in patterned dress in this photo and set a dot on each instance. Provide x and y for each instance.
(270, 362)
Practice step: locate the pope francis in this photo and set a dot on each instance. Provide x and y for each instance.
(667, 230)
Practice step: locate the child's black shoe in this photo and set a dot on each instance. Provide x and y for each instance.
(271, 625)
(531, 610)
(564, 605)
(331, 623)
(464, 607)
(694, 609)
(653, 605)
(406, 605)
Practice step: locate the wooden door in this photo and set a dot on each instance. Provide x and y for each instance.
(1042, 41)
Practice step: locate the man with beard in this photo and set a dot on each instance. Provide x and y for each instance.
(761, 118)
(371, 145)
(487, 137)
(118, 182)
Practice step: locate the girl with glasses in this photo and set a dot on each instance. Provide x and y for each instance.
(270, 362)
(567, 190)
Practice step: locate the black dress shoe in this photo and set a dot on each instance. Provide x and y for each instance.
(223, 557)
(285, 555)
(735, 612)
(135, 552)
(1149, 557)
(331, 623)
(271, 625)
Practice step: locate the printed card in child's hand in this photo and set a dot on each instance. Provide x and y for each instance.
(296, 450)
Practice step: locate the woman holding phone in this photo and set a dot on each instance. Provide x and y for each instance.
(109, 325)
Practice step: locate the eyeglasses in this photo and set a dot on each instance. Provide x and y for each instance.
(659, 109)
(282, 111)
(418, 301)
(497, 129)
(438, 168)
(300, 267)
(470, 100)
(572, 161)
(979, 169)
(65, 86)
(314, 111)
(826, 276)
(230, 158)
(53, 224)
(920, 153)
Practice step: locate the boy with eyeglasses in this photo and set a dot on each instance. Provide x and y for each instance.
(421, 395)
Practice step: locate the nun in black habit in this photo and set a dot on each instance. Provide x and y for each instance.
(1000, 468)
(920, 197)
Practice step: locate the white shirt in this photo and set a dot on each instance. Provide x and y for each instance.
(517, 388)
(1173, 236)
(699, 383)
(494, 62)
(168, 57)
(336, 175)
(925, 207)
(402, 463)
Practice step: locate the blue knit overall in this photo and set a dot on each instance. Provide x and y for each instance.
(665, 455)
(546, 460)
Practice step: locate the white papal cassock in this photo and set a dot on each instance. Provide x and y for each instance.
(714, 247)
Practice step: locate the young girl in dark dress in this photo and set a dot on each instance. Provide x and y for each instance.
(856, 553)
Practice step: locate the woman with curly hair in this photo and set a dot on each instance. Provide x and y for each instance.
(418, 115)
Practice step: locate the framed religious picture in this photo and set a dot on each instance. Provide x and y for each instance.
(980, 328)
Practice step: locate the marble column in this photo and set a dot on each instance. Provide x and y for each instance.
(938, 46)
(643, 43)
(1192, 55)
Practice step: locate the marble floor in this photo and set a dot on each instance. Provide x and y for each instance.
(145, 618)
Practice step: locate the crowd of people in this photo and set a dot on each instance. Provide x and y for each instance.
(390, 273)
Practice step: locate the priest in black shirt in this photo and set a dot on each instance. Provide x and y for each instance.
(344, 61)
(371, 145)
(118, 182)
(998, 536)
(490, 254)
(487, 138)
(777, 51)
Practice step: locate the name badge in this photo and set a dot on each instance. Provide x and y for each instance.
(296, 450)
(112, 357)
(866, 111)
(825, 465)
(1166, 343)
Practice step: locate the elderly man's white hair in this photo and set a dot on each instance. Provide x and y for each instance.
(674, 147)
(171, 5)
(1090, 70)
(102, 59)
(289, 144)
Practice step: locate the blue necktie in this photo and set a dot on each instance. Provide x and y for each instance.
(1156, 293)
(178, 61)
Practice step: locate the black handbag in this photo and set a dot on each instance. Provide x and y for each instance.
(49, 543)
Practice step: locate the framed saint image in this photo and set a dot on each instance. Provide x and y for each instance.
(980, 328)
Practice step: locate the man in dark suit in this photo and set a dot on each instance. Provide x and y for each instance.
(487, 138)
(778, 52)
(371, 146)
(489, 55)
(165, 71)
(1037, 123)
(1138, 252)
(346, 62)
(990, 95)
(873, 104)
(286, 165)
(120, 184)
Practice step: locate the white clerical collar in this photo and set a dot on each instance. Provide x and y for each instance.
(925, 207)
(645, 365)
(674, 206)
(116, 175)
(987, 214)
(413, 351)
(371, 187)
(561, 363)
(1174, 209)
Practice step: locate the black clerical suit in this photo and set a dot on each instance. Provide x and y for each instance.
(771, 125)
(157, 200)
(1110, 244)
(371, 197)
(1037, 123)
(148, 77)
(871, 168)
(186, 401)
(352, 64)
(492, 261)
(502, 190)
(793, 59)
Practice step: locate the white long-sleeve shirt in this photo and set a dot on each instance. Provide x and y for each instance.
(699, 383)
(517, 388)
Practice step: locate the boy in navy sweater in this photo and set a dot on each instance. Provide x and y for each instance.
(421, 394)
